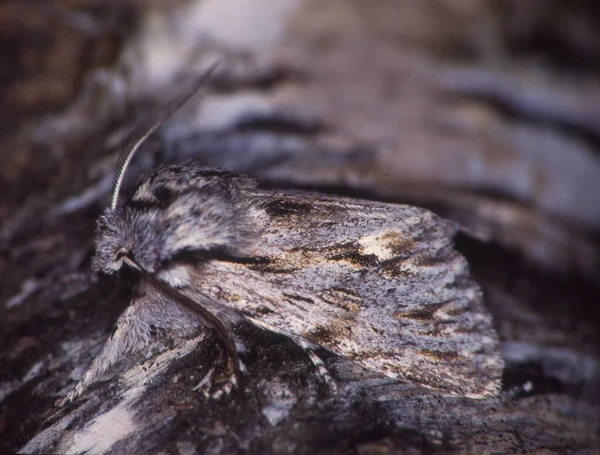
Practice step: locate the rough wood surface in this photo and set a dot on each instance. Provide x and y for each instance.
(392, 101)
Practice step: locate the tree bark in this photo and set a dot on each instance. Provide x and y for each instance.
(388, 101)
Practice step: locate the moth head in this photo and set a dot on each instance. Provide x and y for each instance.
(113, 243)
(125, 239)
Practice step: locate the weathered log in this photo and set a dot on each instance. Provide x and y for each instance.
(290, 109)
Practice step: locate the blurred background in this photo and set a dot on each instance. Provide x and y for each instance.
(485, 111)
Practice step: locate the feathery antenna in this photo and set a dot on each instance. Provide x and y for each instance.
(146, 127)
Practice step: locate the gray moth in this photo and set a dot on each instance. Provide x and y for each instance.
(379, 284)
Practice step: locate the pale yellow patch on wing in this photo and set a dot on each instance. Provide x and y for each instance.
(375, 244)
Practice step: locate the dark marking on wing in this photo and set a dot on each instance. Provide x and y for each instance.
(286, 207)
(430, 261)
(427, 379)
(350, 252)
(370, 354)
(257, 312)
(329, 335)
(393, 268)
(426, 233)
(349, 292)
(321, 335)
(377, 330)
(454, 312)
(275, 266)
(190, 256)
(424, 313)
(299, 298)
(344, 298)
(400, 246)
(447, 356)
(263, 310)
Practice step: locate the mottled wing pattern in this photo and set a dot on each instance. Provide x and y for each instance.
(378, 283)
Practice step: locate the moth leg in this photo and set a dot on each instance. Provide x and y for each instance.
(223, 321)
(209, 388)
(309, 348)
(234, 373)
(318, 363)
(205, 385)
(218, 386)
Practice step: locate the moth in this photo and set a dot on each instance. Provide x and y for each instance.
(378, 283)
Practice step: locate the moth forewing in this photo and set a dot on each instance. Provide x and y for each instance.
(378, 283)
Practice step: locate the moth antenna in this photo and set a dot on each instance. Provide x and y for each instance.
(146, 127)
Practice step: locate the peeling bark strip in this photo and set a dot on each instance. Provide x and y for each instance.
(375, 283)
